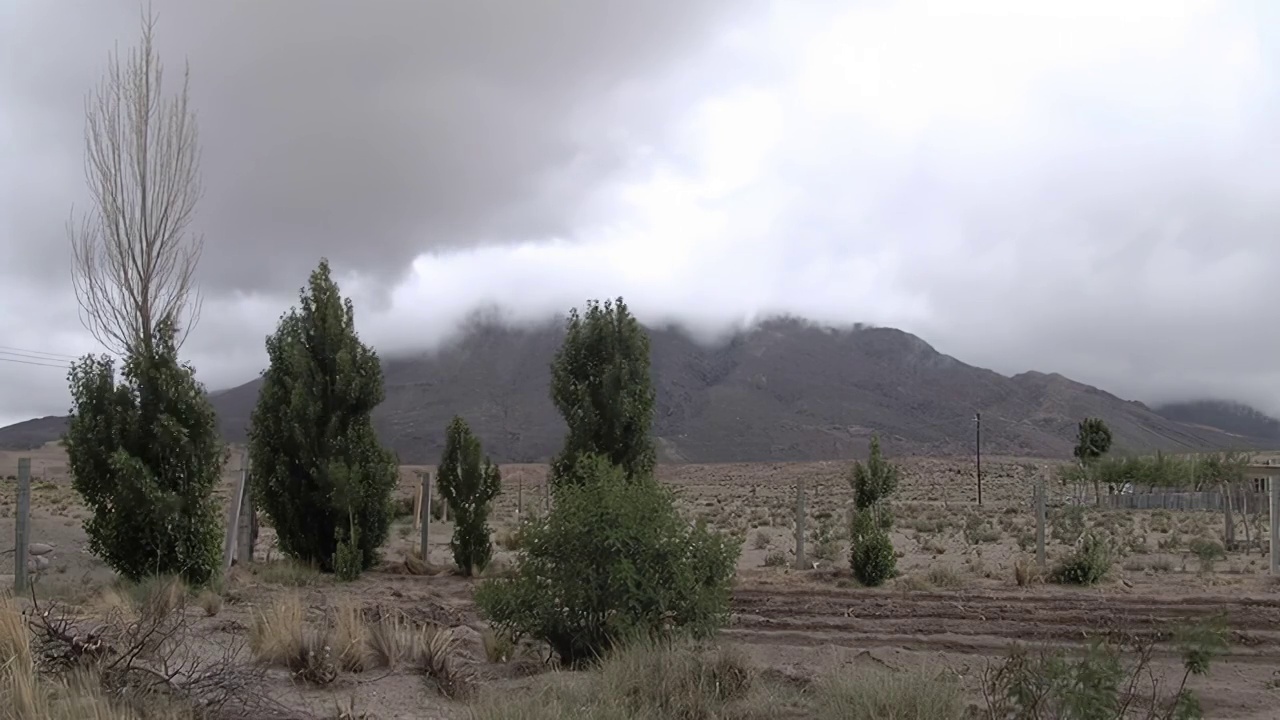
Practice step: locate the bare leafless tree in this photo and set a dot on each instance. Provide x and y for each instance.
(134, 260)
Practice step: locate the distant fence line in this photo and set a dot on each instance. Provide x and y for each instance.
(1204, 501)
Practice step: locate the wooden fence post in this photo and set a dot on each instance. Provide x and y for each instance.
(1040, 522)
(1274, 487)
(425, 509)
(519, 496)
(800, 518)
(22, 527)
(233, 521)
(1228, 520)
(247, 525)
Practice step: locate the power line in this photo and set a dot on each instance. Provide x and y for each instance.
(44, 354)
(63, 366)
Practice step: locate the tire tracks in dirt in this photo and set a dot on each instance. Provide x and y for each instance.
(989, 622)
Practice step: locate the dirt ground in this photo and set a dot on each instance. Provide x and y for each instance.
(955, 606)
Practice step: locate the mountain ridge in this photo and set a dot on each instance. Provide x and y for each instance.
(784, 390)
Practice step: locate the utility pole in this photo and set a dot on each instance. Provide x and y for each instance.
(977, 444)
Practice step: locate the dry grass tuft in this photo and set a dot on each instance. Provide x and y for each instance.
(433, 650)
(210, 602)
(653, 680)
(276, 634)
(945, 576)
(499, 646)
(874, 694)
(390, 640)
(1025, 572)
(351, 636)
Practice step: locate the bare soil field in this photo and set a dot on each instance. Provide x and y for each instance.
(959, 602)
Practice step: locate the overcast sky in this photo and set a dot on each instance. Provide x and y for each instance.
(1088, 187)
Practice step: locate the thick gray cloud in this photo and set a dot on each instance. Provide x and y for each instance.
(1084, 187)
(370, 132)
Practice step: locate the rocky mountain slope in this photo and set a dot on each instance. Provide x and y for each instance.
(783, 391)
(1231, 417)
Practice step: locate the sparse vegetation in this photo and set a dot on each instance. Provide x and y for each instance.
(1112, 680)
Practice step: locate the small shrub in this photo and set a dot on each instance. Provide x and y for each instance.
(210, 601)
(348, 558)
(761, 540)
(612, 558)
(1067, 524)
(1087, 565)
(1162, 564)
(945, 576)
(978, 531)
(1112, 679)
(1207, 552)
(872, 558)
(775, 558)
(828, 550)
(1025, 572)
(507, 540)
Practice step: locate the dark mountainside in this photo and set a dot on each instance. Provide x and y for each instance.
(781, 392)
(1232, 417)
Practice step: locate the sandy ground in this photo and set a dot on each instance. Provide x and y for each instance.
(955, 605)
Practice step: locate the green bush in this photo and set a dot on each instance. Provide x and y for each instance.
(1087, 565)
(600, 384)
(318, 467)
(613, 559)
(468, 482)
(145, 455)
(871, 557)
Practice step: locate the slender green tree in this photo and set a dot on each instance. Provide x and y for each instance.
(871, 554)
(600, 383)
(319, 473)
(1093, 440)
(145, 455)
(873, 483)
(468, 482)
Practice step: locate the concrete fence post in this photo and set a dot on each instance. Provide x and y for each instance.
(22, 527)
